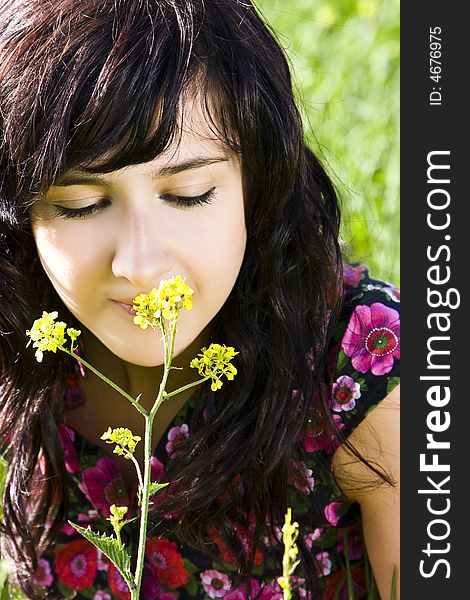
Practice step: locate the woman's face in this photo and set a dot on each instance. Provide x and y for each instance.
(103, 239)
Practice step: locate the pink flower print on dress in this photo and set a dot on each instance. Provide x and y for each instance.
(75, 564)
(103, 485)
(272, 591)
(352, 275)
(323, 563)
(311, 537)
(117, 583)
(239, 593)
(100, 595)
(176, 437)
(345, 393)
(67, 436)
(103, 562)
(215, 583)
(157, 469)
(300, 476)
(151, 588)
(332, 512)
(163, 558)
(43, 575)
(372, 339)
(68, 529)
(315, 435)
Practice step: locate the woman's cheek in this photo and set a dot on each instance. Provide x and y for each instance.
(69, 253)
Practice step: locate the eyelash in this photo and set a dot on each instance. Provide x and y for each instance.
(87, 211)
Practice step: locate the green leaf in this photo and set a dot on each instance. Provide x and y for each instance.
(394, 584)
(111, 548)
(342, 360)
(191, 586)
(10, 591)
(188, 565)
(155, 487)
(66, 591)
(392, 383)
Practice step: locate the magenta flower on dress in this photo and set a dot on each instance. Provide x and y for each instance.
(157, 469)
(176, 436)
(332, 512)
(324, 563)
(215, 583)
(272, 591)
(239, 593)
(372, 338)
(311, 537)
(103, 485)
(345, 393)
(100, 595)
(151, 588)
(316, 437)
(43, 575)
(352, 275)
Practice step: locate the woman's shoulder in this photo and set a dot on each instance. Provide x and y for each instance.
(365, 351)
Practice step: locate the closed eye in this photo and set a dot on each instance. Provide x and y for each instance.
(87, 211)
(187, 201)
(82, 212)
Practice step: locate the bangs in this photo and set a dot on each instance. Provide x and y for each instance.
(114, 94)
(127, 130)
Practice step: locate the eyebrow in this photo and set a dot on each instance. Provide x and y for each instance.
(83, 177)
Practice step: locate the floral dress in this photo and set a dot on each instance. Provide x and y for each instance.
(365, 353)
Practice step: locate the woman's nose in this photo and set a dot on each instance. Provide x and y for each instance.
(141, 254)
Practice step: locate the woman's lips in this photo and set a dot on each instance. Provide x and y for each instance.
(128, 308)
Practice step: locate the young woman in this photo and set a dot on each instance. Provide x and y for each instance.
(140, 140)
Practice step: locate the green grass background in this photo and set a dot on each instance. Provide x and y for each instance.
(345, 62)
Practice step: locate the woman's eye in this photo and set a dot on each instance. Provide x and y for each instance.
(84, 211)
(87, 211)
(186, 201)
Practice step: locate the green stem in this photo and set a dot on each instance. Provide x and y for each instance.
(185, 387)
(348, 567)
(168, 358)
(132, 400)
(144, 508)
(147, 467)
(137, 468)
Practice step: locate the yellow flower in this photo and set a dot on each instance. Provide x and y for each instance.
(290, 533)
(47, 334)
(123, 438)
(167, 301)
(215, 362)
(117, 518)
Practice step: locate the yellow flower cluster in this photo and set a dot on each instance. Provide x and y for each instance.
(167, 301)
(215, 362)
(123, 438)
(48, 335)
(290, 533)
(117, 515)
